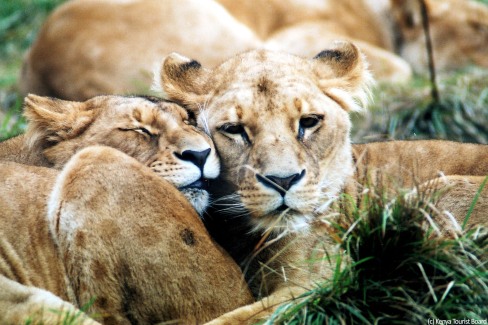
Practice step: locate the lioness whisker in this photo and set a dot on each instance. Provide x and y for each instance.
(204, 117)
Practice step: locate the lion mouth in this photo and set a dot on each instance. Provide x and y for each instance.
(282, 219)
(282, 208)
(202, 184)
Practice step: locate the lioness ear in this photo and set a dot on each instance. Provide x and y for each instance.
(406, 13)
(343, 75)
(182, 80)
(53, 120)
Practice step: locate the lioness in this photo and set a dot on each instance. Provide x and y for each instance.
(280, 124)
(156, 133)
(110, 227)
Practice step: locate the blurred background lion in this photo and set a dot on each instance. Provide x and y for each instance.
(92, 47)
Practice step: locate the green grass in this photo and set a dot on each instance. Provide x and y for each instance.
(20, 21)
(66, 318)
(401, 272)
(408, 112)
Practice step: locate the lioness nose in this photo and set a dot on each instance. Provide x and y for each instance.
(280, 184)
(198, 158)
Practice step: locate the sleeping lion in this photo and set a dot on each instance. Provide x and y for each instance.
(107, 227)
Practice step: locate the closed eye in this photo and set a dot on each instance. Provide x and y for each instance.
(140, 130)
(144, 131)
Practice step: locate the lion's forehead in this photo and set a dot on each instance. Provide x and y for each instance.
(165, 119)
(259, 61)
(139, 111)
(292, 99)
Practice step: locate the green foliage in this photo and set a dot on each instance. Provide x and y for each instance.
(408, 112)
(66, 318)
(20, 21)
(402, 271)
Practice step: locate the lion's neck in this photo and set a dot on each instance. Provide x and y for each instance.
(16, 150)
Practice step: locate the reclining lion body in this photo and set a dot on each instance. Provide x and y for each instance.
(112, 231)
(406, 164)
(109, 227)
(380, 28)
(451, 172)
(88, 48)
(112, 47)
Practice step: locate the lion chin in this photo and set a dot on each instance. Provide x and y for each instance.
(198, 197)
(282, 221)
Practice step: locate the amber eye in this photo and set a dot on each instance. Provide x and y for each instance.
(308, 122)
(235, 129)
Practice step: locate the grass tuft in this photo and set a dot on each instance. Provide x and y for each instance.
(402, 271)
(407, 112)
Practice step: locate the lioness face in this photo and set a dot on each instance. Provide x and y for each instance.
(155, 132)
(280, 124)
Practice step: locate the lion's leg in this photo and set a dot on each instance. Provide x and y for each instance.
(260, 310)
(20, 303)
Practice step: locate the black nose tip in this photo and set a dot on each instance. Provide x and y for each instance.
(280, 184)
(198, 158)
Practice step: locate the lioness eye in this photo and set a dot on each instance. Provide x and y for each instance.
(232, 128)
(308, 122)
(237, 129)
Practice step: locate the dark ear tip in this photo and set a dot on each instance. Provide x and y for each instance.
(329, 54)
(341, 51)
(177, 65)
(193, 64)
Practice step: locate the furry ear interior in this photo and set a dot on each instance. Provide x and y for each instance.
(53, 120)
(343, 75)
(182, 80)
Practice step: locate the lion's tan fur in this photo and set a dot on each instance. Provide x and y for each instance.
(112, 47)
(458, 194)
(92, 47)
(454, 169)
(153, 131)
(379, 27)
(109, 226)
(253, 106)
(405, 164)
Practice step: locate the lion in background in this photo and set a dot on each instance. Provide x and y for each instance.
(113, 46)
(92, 47)
(385, 30)
(111, 225)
